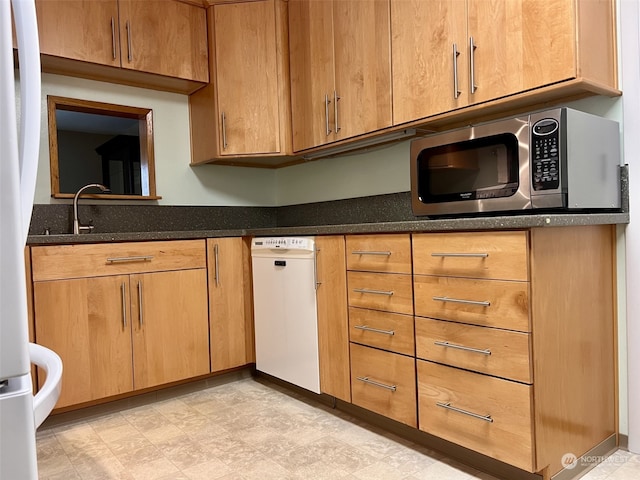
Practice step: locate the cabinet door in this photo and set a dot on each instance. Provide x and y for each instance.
(312, 72)
(164, 37)
(231, 333)
(362, 51)
(84, 30)
(170, 326)
(333, 323)
(520, 44)
(87, 322)
(422, 44)
(246, 77)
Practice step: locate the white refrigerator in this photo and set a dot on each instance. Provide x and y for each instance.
(20, 412)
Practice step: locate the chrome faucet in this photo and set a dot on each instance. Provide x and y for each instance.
(77, 227)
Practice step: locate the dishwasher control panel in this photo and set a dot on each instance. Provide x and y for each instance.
(283, 243)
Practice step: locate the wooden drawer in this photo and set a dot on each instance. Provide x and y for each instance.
(487, 350)
(95, 260)
(492, 303)
(498, 255)
(486, 414)
(391, 292)
(388, 331)
(379, 253)
(384, 382)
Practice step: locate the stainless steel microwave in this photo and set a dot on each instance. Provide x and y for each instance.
(553, 159)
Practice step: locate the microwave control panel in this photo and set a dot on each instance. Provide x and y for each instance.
(545, 154)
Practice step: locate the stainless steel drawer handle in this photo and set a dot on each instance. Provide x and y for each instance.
(123, 291)
(486, 351)
(460, 300)
(470, 255)
(374, 330)
(375, 292)
(142, 258)
(364, 252)
(448, 406)
(393, 388)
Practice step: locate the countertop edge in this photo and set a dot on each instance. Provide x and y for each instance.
(428, 225)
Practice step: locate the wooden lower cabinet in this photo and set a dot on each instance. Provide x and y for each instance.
(123, 331)
(230, 303)
(490, 415)
(384, 382)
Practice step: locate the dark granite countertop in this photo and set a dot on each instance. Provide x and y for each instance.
(429, 225)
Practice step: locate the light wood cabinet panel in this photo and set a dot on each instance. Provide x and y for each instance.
(65, 261)
(492, 416)
(497, 352)
(86, 30)
(384, 330)
(390, 292)
(333, 328)
(170, 326)
(490, 303)
(164, 37)
(245, 111)
(506, 47)
(496, 255)
(230, 305)
(312, 71)
(88, 323)
(379, 253)
(340, 70)
(423, 36)
(384, 382)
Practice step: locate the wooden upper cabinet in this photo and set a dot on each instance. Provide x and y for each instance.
(159, 44)
(423, 38)
(505, 47)
(340, 70)
(164, 37)
(245, 110)
(85, 30)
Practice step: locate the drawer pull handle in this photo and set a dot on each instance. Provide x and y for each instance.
(448, 406)
(393, 388)
(471, 255)
(123, 291)
(142, 258)
(364, 252)
(460, 300)
(375, 330)
(486, 351)
(375, 292)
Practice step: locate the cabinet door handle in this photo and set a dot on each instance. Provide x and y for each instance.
(326, 113)
(217, 262)
(224, 131)
(485, 351)
(472, 79)
(129, 52)
(374, 330)
(113, 38)
(448, 406)
(140, 258)
(470, 255)
(123, 292)
(375, 292)
(365, 252)
(335, 110)
(140, 311)
(460, 300)
(393, 388)
(316, 283)
(456, 54)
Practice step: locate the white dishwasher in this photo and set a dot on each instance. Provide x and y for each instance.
(285, 313)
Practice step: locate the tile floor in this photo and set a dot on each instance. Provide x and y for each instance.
(246, 430)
